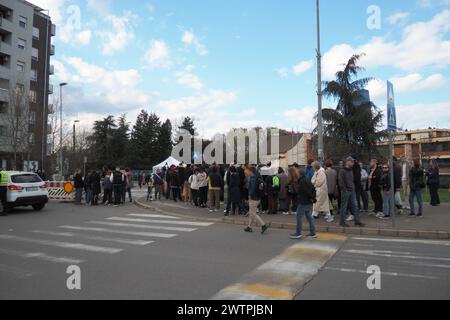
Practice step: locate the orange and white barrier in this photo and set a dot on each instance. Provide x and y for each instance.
(61, 190)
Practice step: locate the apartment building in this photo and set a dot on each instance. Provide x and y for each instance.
(25, 50)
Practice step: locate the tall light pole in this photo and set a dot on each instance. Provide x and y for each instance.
(321, 155)
(45, 106)
(61, 160)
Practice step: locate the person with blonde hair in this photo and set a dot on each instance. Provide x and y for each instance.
(319, 180)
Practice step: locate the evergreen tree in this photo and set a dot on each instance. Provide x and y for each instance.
(121, 136)
(165, 141)
(101, 142)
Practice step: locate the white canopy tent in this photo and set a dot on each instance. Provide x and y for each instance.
(169, 162)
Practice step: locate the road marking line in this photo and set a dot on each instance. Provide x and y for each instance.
(40, 256)
(390, 254)
(430, 265)
(438, 243)
(392, 274)
(140, 226)
(131, 233)
(147, 215)
(66, 245)
(184, 223)
(88, 237)
(286, 275)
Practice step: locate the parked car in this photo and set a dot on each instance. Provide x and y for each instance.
(26, 189)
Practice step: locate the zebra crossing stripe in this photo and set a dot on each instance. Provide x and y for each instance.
(147, 215)
(132, 233)
(140, 226)
(40, 256)
(66, 245)
(97, 238)
(184, 223)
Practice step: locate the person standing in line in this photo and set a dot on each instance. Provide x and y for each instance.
(417, 184)
(272, 190)
(193, 184)
(158, 184)
(128, 184)
(358, 185)
(79, 187)
(348, 193)
(215, 183)
(433, 183)
(364, 189)
(87, 188)
(234, 192)
(107, 189)
(386, 186)
(322, 204)
(202, 179)
(406, 167)
(306, 200)
(292, 190)
(255, 190)
(4, 179)
(309, 170)
(117, 179)
(374, 186)
(174, 183)
(187, 193)
(332, 182)
(95, 187)
(282, 195)
(398, 202)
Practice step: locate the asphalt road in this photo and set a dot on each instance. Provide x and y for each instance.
(410, 269)
(185, 261)
(130, 253)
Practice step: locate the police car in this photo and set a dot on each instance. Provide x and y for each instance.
(26, 189)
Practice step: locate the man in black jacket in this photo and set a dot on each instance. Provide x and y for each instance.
(306, 200)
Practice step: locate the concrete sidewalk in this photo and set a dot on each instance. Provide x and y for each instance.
(434, 225)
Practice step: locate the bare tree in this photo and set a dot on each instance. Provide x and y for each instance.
(18, 123)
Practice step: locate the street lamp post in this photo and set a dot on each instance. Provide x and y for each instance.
(319, 90)
(61, 160)
(45, 106)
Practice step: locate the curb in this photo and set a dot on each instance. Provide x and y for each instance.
(397, 233)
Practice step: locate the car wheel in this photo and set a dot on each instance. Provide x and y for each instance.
(38, 207)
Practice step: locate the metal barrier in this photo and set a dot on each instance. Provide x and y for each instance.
(61, 190)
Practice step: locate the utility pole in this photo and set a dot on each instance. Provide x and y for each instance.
(321, 155)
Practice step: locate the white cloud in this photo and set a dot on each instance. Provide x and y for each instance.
(303, 118)
(100, 6)
(399, 17)
(122, 33)
(419, 116)
(188, 79)
(55, 7)
(158, 55)
(190, 39)
(302, 67)
(415, 82)
(97, 88)
(283, 72)
(423, 44)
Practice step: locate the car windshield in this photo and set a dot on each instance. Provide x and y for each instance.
(26, 178)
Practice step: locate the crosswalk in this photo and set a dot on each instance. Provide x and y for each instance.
(110, 236)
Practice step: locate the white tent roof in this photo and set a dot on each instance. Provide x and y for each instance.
(169, 162)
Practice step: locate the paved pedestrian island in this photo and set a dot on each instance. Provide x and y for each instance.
(285, 276)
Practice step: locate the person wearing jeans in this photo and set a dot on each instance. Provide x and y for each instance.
(348, 194)
(306, 199)
(417, 184)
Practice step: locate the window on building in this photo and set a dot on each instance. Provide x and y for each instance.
(2, 131)
(3, 107)
(20, 88)
(33, 96)
(35, 54)
(20, 66)
(36, 33)
(21, 44)
(23, 22)
(33, 76)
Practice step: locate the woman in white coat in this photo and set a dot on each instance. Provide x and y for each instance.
(319, 181)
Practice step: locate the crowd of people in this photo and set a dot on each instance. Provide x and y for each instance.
(312, 191)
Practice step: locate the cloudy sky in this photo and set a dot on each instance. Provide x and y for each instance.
(234, 63)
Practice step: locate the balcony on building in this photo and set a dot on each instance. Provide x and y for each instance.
(51, 70)
(4, 90)
(6, 18)
(51, 109)
(53, 30)
(50, 89)
(52, 50)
